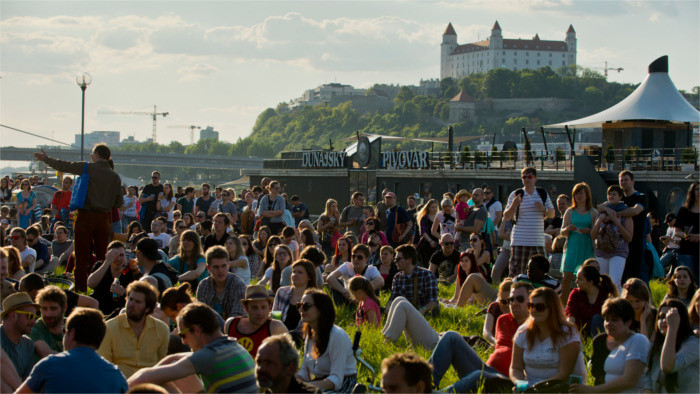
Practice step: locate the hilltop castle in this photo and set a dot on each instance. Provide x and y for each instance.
(497, 52)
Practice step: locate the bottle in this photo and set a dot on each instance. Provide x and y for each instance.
(115, 295)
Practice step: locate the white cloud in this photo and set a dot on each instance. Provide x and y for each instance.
(196, 72)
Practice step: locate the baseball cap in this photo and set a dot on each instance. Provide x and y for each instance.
(669, 216)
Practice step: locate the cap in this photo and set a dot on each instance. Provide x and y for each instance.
(669, 216)
(256, 293)
(149, 248)
(15, 301)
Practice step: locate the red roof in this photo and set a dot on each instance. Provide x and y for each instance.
(535, 45)
(571, 29)
(463, 97)
(537, 37)
(496, 26)
(473, 47)
(450, 31)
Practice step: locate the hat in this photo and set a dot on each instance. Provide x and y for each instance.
(390, 194)
(149, 248)
(4, 221)
(463, 192)
(669, 216)
(16, 301)
(256, 293)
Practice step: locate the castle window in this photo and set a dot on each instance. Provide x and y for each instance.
(550, 55)
(550, 62)
(504, 52)
(527, 62)
(525, 46)
(538, 54)
(563, 63)
(537, 47)
(527, 53)
(538, 62)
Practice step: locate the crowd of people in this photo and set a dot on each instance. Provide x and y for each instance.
(184, 290)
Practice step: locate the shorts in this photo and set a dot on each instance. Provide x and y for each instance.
(520, 255)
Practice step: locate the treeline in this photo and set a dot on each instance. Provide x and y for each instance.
(416, 116)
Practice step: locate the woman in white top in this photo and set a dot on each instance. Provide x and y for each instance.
(166, 204)
(546, 346)
(624, 366)
(238, 262)
(445, 220)
(328, 360)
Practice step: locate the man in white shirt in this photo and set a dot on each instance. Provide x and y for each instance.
(163, 239)
(529, 206)
(494, 206)
(358, 266)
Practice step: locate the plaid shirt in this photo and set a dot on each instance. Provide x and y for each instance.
(427, 287)
(233, 294)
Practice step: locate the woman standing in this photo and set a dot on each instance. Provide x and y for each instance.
(27, 202)
(287, 297)
(190, 263)
(681, 285)
(546, 346)
(576, 225)
(586, 301)
(5, 190)
(673, 359)
(166, 204)
(624, 366)
(271, 208)
(328, 226)
(328, 361)
(428, 243)
(687, 227)
(238, 262)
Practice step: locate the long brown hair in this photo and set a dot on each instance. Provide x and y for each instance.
(310, 271)
(14, 263)
(690, 196)
(176, 295)
(556, 322)
(326, 319)
(425, 210)
(589, 199)
(190, 258)
(277, 269)
(358, 282)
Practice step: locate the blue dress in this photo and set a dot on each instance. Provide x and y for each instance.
(579, 247)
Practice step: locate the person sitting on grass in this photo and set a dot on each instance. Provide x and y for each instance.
(453, 350)
(586, 300)
(220, 361)
(363, 292)
(358, 266)
(495, 310)
(637, 292)
(221, 290)
(472, 277)
(276, 365)
(303, 276)
(444, 262)
(673, 359)
(406, 373)
(537, 274)
(47, 333)
(681, 285)
(624, 366)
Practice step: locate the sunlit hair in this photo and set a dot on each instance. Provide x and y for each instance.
(690, 196)
(170, 194)
(556, 321)
(263, 230)
(308, 266)
(190, 258)
(14, 263)
(329, 202)
(337, 255)
(176, 295)
(693, 312)
(425, 210)
(673, 291)
(601, 281)
(359, 282)
(589, 199)
(239, 248)
(636, 288)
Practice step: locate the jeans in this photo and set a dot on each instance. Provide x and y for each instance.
(117, 226)
(668, 258)
(597, 325)
(690, 261)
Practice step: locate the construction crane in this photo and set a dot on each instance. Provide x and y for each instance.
(606, 69)
(191, 127)
(153, 115)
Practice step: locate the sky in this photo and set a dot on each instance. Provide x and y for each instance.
(221, 63)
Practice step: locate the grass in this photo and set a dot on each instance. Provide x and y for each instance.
(467, 321)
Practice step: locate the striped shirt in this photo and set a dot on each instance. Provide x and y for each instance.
(225, 367)
(529, 230)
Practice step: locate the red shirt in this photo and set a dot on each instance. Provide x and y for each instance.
(250, 342)
(61, 200)
(506, 326)
(580, 309)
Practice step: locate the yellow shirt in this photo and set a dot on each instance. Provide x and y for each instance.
(121, 347)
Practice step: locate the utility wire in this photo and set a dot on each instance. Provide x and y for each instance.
(37, 135)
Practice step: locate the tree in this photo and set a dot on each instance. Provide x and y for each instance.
(498, 83)
(403, 96)
(448, 88)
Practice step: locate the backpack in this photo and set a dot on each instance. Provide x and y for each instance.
(608, 237)
(543, 196)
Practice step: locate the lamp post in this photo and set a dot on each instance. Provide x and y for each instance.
(83, 80)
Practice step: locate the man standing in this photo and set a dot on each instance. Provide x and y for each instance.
(352, 216)
(529, 206)
(19, 315)
(156, 233)
(57, 373)
(494, 206)
(104, 192)
(478, 215)
(220, 361)
(27, 255)
(396, 217)
(214, 207)
(276, 366)
(228, 207)
(381, 210)
(136, 339)
(220, 235)
(444, 262)
(61, 199)
(159, 274)
(47, 333)
(148, 199)
(636, 265)
(221, 290)
(418, 285)
(553, 225)
(186, 204)
(204, 202)
(251, 330)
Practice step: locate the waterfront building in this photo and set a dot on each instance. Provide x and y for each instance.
(111, 138)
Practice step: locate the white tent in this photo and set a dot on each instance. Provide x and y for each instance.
(655, 99)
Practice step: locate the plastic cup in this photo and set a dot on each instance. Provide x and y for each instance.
(521, 386)
(277, 315)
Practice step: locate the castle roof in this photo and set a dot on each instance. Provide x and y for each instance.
(463, 97)
(496, 26)
(474, 46)
(571, 29)
(537, 37)
(450, 31)
(535, 44)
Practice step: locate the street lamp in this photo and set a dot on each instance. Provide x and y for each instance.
(83, 80)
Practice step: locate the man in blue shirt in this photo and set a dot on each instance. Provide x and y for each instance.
(85, 330)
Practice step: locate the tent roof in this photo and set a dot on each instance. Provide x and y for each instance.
(657, 98)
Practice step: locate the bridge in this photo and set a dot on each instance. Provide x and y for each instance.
(155, 160)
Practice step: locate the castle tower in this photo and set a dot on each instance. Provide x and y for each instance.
(571, 45)
(449, 43)
(496, 46)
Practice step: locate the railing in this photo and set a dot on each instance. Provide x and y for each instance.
(633, 158)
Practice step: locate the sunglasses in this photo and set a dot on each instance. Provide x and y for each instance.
(368, 223)
(182, 333)
(30, 315)
(304, 306)
(528, 176)
(155, 177)
(474, 240)
(16, 237)
(448, 243)
(504, 301)
(358, 256)
(539, 307)
(520, 299)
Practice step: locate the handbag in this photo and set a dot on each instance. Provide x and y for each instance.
(80, 188)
